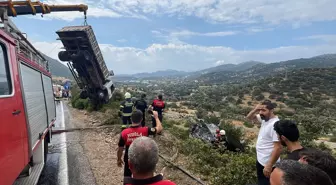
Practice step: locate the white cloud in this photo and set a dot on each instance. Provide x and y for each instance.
(258, 29)
(122, 40)
(187, 33)
(227, 11)
(189, 57)
(325, 38)
(176, 36)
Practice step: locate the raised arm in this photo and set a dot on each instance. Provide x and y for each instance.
(158, 127)
(252, 115)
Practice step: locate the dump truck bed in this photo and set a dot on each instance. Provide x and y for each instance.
(83, 38)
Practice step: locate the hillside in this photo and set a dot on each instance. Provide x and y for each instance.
(235, 73)
(230, 67)
(306, 95)
(57, 68)
(261, 71)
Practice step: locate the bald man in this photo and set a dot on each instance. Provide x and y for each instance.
(143, 155)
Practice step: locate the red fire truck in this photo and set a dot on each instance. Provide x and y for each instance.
(27, 107)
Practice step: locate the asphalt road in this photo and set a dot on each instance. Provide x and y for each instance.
(66, 163)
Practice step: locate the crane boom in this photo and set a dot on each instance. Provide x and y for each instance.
(15, 8)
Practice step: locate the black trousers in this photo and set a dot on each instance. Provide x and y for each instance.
(126, 119)
(127, 171)
(143, 123)
(262, 179)
(154, 122)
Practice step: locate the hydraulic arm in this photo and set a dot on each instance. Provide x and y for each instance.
(15, 8)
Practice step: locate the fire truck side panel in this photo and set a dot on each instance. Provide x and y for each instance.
(34, 102)
(12, 129)
(49, 97)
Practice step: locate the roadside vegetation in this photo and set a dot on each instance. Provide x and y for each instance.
(306, 96)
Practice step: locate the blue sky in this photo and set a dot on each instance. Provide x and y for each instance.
(145, 36)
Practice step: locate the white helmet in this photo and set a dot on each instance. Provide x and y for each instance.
(127, 95)
(222, 132)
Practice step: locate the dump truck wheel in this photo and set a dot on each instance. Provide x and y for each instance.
(64, 56)
(86, 55)
(83, 95)
(81, 55)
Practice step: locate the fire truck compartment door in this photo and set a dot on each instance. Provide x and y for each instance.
(49, 97)
(34, 102)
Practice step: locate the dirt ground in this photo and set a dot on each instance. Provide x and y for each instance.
(100, 147)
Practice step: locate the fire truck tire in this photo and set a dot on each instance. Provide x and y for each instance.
(64, 56)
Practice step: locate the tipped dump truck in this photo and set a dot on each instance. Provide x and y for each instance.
(86, 63)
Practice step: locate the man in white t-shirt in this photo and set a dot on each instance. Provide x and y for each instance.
(268, 145)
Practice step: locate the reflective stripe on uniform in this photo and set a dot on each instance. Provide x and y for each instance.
(127, 114)
(128, 104)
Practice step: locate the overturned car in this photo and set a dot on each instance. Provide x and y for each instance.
(210, 133)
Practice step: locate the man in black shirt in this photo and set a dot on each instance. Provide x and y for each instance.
(288, 134)
(142, 106)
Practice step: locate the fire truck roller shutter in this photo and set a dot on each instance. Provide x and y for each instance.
(49, 98)
(34, 102)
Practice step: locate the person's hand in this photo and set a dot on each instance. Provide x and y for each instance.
(120, 162)
(267, 171)
(155, 114)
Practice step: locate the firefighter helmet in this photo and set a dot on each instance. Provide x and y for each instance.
(127, 95)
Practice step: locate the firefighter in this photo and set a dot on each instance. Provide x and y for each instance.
(128, 135)
(142, 106)
(158, 105)
(126, 108)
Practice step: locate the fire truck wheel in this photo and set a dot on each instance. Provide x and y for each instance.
(103, 96)
(64, 56)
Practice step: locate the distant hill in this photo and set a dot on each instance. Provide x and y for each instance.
(174, 73)
(230, 67)
(251, 70)
(162, 73)
(260, 71)
(57, 68)
(153, 75)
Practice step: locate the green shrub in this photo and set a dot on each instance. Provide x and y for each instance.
(231, 130)
(248, 124)
(212, 119)
(81, 104)
(219, 168)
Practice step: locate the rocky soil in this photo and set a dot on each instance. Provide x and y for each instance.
(100, 146)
